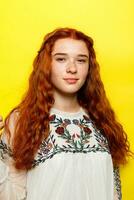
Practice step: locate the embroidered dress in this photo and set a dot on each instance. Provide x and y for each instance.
(73, 163)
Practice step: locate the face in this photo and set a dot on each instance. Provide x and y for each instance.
(70, 63)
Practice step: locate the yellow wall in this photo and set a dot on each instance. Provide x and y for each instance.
(110, 23)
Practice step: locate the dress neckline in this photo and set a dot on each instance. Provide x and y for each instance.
(68, 114)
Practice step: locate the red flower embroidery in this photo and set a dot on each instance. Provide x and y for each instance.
(60, 130)
(87, 130)
(52, 117)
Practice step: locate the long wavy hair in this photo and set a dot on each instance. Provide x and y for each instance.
(32, 124)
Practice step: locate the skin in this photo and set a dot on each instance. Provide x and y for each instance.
(70, 64)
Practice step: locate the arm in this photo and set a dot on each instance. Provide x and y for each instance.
(117, 184)
(12, 181)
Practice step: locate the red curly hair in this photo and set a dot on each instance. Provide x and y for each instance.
(32, 125)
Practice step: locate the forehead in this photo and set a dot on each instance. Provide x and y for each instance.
(69, 45)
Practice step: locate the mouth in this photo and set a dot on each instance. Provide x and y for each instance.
(71, 80)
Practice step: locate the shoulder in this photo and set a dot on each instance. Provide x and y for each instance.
(10, 125)
(12, 119)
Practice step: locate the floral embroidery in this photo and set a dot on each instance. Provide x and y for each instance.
(67, 121)
(60, 130)
(75, 121)
(117, 182)
(4, 150)
(52, 117)
(87, 130)
(78, 142)
(75, 140)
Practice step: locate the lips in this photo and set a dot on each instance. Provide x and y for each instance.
(71, 80)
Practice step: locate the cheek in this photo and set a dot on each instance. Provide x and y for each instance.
(56, 74)
(84, 72)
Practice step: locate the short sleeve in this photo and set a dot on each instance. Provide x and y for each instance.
(12, 181)
(117, 184)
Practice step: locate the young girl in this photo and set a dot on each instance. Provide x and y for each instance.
(63, 140)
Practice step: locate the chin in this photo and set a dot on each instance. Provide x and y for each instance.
(67, 90)
(71, 92)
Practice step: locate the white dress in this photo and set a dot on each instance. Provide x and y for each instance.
(73, 163)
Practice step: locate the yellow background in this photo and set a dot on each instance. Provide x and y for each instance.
(110, 23)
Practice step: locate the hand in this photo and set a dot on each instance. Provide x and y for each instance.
(1, 122)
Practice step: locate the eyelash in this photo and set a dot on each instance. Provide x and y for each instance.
(82, 60)
(62, 59)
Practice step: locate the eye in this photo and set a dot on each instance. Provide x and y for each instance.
(60, 59)
(81, 60)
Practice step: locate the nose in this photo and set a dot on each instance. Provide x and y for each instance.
(71, 67)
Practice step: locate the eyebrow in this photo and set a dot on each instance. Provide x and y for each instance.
(64, 54)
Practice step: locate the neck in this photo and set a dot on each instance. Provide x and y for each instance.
(66, 103)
